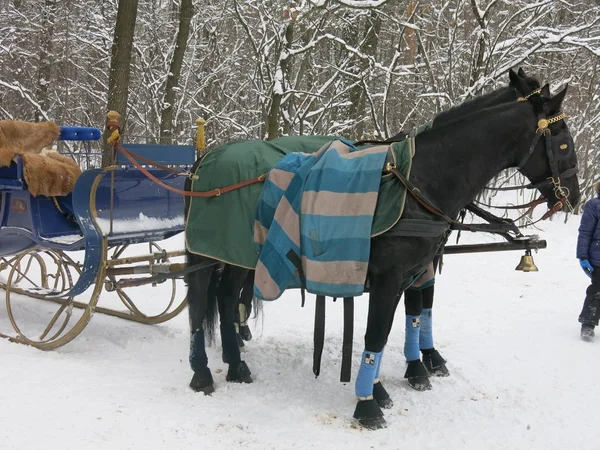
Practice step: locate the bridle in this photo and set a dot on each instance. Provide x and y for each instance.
(561, 193)
(553, 182)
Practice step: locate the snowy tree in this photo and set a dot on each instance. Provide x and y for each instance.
(264, 68)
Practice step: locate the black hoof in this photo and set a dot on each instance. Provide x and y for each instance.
(587, 333)
(434, 363)
(420, 383)
(369, 415)
(202, 381)
(373, 424)
(381, 396)
(239, 373)
(245, 333)
(417, 375)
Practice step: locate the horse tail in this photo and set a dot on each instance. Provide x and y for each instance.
(247, 297)
(202, 296)
(212, 310)
(202, 284)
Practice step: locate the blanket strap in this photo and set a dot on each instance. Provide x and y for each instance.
(297, 262)
(319, 334)
(345, 373)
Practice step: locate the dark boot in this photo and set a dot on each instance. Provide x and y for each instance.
(239, 373)
(417, 376)
(587, 333)
(434, 363)
(202, 381)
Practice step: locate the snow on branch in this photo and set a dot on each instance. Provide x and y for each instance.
(352, 3)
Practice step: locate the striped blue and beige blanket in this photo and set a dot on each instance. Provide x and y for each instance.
(314, 218)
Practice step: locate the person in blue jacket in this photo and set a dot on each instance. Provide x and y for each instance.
(588, 252)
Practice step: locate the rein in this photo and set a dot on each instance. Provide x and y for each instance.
(425, 203)
(542, 131)
(133, 157)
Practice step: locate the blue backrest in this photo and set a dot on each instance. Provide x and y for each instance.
(170, 155)
(79, 134)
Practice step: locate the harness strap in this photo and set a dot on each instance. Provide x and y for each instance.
(418, 228)
(297, 262)
(345, 373)
(425, 203)
(135, 282)
(211, 193)
(416, 193)
(319, 334)
(155, 164)
(533, 203)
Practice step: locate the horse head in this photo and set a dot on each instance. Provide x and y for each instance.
(551, 164)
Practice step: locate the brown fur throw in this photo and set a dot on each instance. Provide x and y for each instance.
(50, 173)
(46, 172)
(18, 137)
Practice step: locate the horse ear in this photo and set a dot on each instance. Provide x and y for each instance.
(518, 83)
(513, 77)
(555, 103)
(521, 72)
(546, 91)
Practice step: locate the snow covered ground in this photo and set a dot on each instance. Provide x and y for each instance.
(520, 376)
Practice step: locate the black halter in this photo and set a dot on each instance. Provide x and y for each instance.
(555, 147)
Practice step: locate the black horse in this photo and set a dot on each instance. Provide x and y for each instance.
(452, 164)
(226, 286)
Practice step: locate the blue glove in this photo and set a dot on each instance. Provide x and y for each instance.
(587, 267)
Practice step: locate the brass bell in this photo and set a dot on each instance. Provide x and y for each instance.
(526, 264)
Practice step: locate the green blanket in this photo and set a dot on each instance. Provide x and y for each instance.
(222, 227)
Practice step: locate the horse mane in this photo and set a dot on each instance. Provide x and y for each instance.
(470, 104)
(522, 79)
(439, 139)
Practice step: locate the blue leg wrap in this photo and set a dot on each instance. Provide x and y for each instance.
(366, 374)
(411, 339)
(426, 333)
(198, 358)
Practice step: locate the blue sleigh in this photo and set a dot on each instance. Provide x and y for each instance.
(108, 210)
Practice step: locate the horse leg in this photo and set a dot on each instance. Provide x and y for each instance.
(380, 394)
(433, 361)
(416, 373)
(228, 294)
(198, 306)
(382, 301)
